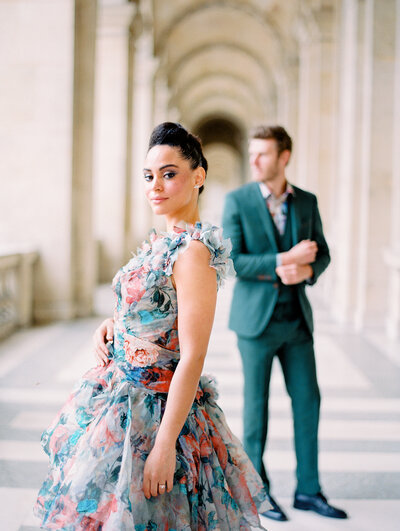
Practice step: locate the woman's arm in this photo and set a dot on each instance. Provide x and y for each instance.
(104, 333)
(196, 287)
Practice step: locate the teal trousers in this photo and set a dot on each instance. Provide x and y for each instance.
(288, 339)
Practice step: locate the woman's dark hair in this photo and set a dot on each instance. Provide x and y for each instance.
(175, 135)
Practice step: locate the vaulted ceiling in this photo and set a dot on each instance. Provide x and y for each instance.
(229, 59)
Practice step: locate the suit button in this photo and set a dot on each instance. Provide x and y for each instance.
(276, 285)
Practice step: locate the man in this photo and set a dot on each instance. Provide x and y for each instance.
(278, 247)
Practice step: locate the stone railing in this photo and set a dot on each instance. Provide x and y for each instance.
(16, 289)
(392, 260)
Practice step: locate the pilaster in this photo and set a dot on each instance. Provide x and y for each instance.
(392, 253)
(111, 134)
(376, 162)
(142, 123)
(83, 265)
(344, 196)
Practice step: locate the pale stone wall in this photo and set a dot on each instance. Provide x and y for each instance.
(36, 109)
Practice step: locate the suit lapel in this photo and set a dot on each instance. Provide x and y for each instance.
(295, 219)
(266, 220)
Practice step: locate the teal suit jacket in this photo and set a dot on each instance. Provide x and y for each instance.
(254, 248)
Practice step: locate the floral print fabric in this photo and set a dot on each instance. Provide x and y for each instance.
(99, 441)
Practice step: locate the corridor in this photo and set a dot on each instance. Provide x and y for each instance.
(359, 434)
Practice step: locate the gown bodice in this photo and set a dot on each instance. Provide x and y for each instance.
(146, 308)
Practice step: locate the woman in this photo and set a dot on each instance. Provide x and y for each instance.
(141, 443)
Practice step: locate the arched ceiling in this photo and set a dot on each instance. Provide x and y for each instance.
(226, 57)
(221, 59)
(217, 129)
(221, 86)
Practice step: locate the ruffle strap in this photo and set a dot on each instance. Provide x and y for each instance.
(212, 238)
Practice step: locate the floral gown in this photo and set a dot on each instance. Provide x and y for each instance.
(99, 441)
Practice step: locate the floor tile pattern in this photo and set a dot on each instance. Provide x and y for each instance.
(359, 433)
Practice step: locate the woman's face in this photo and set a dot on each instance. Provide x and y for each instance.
(170, 181)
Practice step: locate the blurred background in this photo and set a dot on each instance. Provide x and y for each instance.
(83, 82)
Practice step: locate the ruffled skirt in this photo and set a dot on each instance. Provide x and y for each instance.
(98, 444)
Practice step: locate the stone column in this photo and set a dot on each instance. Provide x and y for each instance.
(345, 190)
(314, 144)
(308, 131)
(161, 97)
(317, 102)
(392, 254)
(326, 164)
(140, 217)
(288, 104)
(377, 162)
(111, 133)
(362, 195)
(83, 267)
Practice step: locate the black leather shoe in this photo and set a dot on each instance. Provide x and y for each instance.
(276, 512)
(317, 503)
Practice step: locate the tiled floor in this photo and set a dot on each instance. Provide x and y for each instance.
(359, 433)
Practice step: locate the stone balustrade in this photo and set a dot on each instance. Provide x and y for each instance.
(392, 261)
(16, 289)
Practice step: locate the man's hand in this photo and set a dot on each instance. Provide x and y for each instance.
(103, 334)
(293, 273)
(301, 254)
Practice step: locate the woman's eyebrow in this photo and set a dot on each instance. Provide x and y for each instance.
(163, 167)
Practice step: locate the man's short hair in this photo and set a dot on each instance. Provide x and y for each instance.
(276, 132)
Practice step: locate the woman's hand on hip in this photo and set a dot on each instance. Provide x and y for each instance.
(159, 469)
(103, 334)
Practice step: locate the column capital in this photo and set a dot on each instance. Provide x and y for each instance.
(306, 27)
(115, 16)
(317, 22)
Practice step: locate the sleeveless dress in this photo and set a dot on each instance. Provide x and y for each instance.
(99, 441)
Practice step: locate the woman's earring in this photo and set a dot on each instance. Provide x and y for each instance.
(197, 186)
